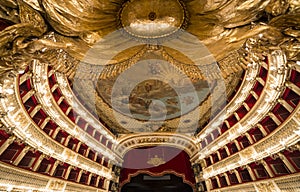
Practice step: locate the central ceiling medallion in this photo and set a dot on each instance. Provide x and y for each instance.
(152, 19)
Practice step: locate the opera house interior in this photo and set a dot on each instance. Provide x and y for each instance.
(149, 95)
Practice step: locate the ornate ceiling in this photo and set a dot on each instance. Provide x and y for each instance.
(145, 66)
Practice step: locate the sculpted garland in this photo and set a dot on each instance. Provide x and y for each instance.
(39, 28)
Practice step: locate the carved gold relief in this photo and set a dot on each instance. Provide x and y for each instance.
(268, 186)
(56, 185)
(156, 161)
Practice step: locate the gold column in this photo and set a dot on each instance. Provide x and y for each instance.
(249, 138)
(238, 176)
(97, 180)
(293, 87)
(38, 162)
(219, 155)
(21, 155)
(218, 181)
(68, 172)
(56, 132)
(87, 152)
(287, 162)
(78, 146)
(227, 150)
(7, 143)
(275, 118)
(67, 140)
(267, 167)
(286, 105)
(79, 176)
(227, 179)
(35, 110)
(237, 145)
(54, 167)
(89, 179)
(262, 129)
(252, 175)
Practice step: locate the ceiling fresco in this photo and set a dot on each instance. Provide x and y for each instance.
(155, 92)
(158, 94)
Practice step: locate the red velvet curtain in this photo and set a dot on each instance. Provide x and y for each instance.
(176, 161)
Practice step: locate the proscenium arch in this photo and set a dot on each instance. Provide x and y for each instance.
(139, 140)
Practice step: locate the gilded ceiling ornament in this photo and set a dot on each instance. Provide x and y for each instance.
(8, 11)
(277, 7)
(29, 15)
(154, 19)
(76, 17)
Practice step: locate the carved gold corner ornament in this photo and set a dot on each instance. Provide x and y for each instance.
(156, 161)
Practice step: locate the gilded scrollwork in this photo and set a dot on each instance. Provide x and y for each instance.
(220, 19)
(14, 50)
(8, 11)
(277, 7)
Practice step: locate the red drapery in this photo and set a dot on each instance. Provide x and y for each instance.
(176, 161)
